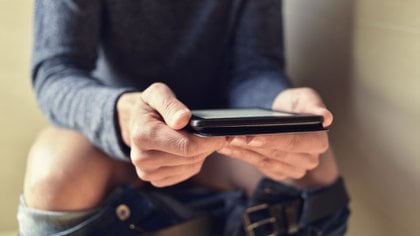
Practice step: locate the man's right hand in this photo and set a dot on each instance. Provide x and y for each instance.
(151, 123)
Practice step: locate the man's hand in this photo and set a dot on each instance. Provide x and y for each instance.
(161, 152)
(282, 156)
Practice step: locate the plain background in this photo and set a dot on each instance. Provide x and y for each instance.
(362, 55)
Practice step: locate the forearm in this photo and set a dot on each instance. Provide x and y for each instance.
(66, 39)
(258, 65)
(72, 99)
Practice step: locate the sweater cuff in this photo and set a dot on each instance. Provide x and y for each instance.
(258, 91)
(111, 140)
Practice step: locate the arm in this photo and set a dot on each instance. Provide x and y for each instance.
(259, 80)
(64, 55)
(66, 41)
(257, 68)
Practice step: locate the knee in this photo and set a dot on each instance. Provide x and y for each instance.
(65, 172)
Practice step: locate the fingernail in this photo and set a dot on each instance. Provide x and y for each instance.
(238, 141)
(256, 142)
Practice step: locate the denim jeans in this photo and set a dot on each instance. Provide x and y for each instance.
(131, 211)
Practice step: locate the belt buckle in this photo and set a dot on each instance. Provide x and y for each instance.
(280, 215)
(250, 226)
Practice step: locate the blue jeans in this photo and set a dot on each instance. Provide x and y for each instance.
(131, 211)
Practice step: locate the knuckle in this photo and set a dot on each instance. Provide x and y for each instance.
(170, 106)
(144, 134)
(146, 176)
(138, 137)
(185, 146)
(139, 159)
(307, 90)
(156, 87)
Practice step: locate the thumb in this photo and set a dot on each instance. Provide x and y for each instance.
(322, 111)
(161, 98)
(303, 100)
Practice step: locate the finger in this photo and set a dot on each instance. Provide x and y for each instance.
(281, 168)
(152, 160)
(161, 98)
(167, 171)
(299, 160)
(248, 156)
(262, 162)
(297, 99)
(322, 111)
(310, 142)
(306, 161)
(274, 175)
(303, 100)
(172, 180)
(148, 134)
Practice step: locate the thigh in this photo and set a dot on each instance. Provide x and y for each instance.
(66, 172)
(226, 173)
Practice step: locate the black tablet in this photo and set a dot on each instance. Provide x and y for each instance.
(251, 121)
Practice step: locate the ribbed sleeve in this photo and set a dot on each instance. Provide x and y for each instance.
(258, 55)
(64, 56)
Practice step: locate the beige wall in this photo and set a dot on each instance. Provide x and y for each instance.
(19, 116)
(362, 55)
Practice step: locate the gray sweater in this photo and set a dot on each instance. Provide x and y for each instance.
(212, 53)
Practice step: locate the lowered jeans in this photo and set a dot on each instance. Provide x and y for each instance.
(274, 209)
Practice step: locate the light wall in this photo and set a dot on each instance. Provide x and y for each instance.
(362, 55)
(364, 58)
(19, 117)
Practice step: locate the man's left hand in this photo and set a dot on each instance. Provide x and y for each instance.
(291, 155)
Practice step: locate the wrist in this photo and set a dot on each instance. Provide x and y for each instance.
(124, 106)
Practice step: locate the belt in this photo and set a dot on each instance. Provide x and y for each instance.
(281, 218)
(197, 226)
(288, 217)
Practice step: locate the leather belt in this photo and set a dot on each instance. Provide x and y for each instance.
(197, 226)
(285, 217)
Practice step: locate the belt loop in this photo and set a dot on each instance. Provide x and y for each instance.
(304, 218)
(292, 212)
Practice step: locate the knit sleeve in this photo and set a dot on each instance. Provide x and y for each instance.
(64, 56)
(257, 68)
